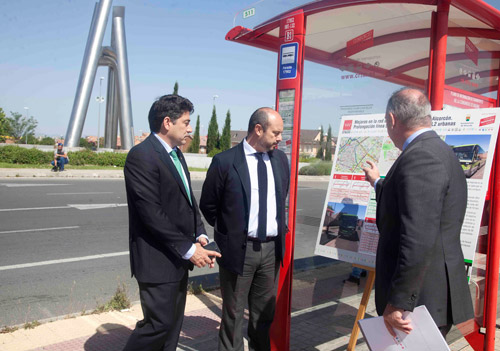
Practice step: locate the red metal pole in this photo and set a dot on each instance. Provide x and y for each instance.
(439, 58)
(431, 54)
(493, 260)
(289, 104)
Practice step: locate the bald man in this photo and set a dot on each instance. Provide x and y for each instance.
(243, 197)
(420, 210)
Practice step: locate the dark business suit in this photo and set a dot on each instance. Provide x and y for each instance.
(420, 210)
(225, 203)
(162, 228)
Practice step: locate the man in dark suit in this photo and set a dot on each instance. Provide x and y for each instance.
(420, 210)
(243, 197)
(166, 233)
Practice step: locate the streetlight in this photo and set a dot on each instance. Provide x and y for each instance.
(27, 117)
(100, 100)
(215, 97)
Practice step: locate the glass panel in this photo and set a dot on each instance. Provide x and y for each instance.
(470, 63)
(379, 49)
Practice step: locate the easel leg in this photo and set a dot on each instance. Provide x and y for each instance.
(362, 307)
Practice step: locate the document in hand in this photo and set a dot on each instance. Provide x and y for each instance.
(425, 335)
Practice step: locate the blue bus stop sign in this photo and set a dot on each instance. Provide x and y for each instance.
(288, 61)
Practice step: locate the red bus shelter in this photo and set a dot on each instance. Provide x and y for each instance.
(449, 48)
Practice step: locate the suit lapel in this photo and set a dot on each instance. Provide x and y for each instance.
(165, 157)
(240, 164)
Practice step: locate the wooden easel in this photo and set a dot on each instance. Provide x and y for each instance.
(362, 306)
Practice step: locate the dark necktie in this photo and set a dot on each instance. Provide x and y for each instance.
(262, 176)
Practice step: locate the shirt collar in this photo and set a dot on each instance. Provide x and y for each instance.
(164, 143)
(249, 150)
(414, 135)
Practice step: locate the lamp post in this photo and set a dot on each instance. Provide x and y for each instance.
(100, 100)
(215, 97)
(27, 117)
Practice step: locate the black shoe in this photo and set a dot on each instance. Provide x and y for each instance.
(352, 279)
(54, 169)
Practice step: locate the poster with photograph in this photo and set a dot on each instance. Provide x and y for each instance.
(348, 230)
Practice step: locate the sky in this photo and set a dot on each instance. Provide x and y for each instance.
(42, 45)
(482, 140)
(355, 209)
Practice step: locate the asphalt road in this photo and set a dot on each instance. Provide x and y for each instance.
(64, 243)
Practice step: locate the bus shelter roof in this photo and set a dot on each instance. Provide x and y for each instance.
(391, 40)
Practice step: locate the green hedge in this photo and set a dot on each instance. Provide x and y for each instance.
(318, 168)
(19, 155)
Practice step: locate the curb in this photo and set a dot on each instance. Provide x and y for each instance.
(103, 174)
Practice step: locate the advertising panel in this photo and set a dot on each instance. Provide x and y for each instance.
(348, 230)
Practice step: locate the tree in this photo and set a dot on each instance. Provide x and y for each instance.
(85, 143)
(4, 124)
(213, 133)
(194, 147)
(47, 141)
(176, 88)
(225, 139)
(328, 149)
(320, 152)
(32, 139)
(21, 126)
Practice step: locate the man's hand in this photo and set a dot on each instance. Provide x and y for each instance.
(202, 240)
(371, 173)
(202, 257)
(393, 318)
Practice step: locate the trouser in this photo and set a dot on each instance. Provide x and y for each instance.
(60, 163)
(256, 286)
(163, 308)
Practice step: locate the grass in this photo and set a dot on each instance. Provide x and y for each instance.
(193, 290)
(70, 167)
(118, 302)
(32, 325)
(15, 165)
(6, 330)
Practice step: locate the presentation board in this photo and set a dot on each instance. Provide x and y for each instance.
(348, 230)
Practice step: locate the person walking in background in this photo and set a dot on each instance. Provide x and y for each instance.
(243, 197)
(420, 210)
(166, 234)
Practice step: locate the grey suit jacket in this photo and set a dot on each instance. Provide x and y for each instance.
(420, 210)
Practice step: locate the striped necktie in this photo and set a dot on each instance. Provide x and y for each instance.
(178, 165)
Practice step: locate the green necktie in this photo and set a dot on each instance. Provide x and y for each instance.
(177, 164)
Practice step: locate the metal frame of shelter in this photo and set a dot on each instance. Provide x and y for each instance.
(449, 48)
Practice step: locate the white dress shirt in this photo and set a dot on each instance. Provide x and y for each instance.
(253, 220)
(169, 149)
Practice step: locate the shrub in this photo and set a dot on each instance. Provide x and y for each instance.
(214, 152)
(317, 168)
(15, 154)
(18, 155)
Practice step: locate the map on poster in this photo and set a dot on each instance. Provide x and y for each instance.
(348, 230)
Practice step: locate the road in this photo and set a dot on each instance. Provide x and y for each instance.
(64, 243)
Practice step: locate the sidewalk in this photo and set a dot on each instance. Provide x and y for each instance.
(323, 313)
